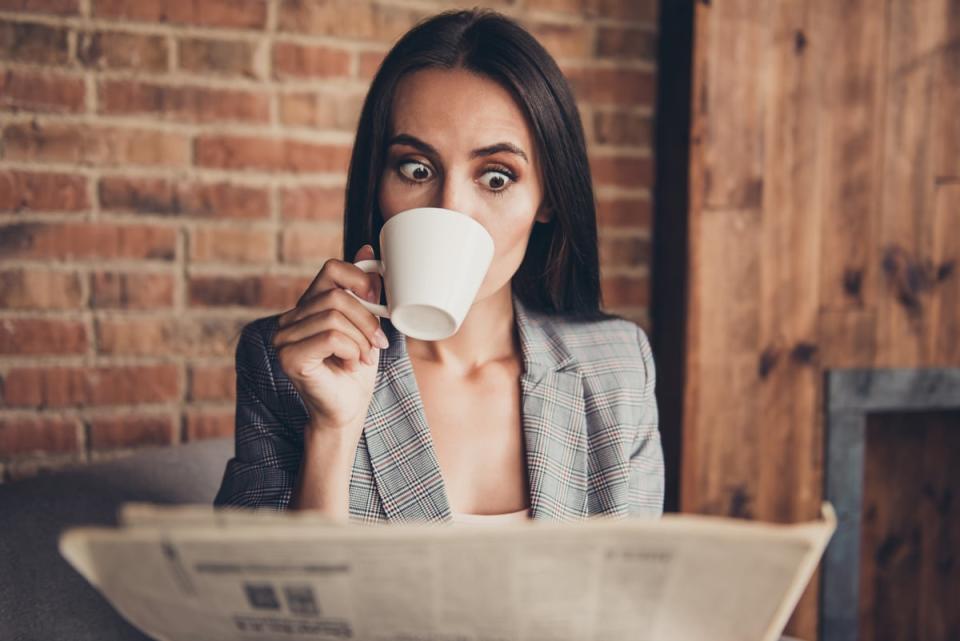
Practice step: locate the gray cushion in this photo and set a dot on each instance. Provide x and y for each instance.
(42, 598)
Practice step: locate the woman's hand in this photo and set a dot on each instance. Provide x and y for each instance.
(329, 345)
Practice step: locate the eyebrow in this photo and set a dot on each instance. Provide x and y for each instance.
(427, 148)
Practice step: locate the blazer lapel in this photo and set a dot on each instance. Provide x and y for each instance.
(554, 421)
(402, 456)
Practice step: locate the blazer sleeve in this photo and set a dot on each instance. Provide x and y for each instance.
(267, 454)
(646, 453)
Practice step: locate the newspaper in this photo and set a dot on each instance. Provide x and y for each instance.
(194, 573)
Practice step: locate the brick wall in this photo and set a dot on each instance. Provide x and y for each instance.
(171, 169)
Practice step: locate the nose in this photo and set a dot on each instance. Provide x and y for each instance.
(454, 194)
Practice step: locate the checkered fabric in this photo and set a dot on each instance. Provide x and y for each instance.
(588, 411)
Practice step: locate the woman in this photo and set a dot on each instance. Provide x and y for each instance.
(540, 405)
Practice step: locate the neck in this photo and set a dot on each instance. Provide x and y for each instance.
(487, 334)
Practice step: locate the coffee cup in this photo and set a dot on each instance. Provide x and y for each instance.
(432, 261)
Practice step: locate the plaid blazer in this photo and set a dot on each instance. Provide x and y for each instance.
(588, 412)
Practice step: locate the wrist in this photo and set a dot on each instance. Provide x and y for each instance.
(330, 438)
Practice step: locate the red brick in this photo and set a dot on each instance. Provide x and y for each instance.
(622, 171)
(298, 61)
(204, 424)
(625, 291)
(57, 7)
(368, 63)
(311, 245)
(197, 337)
(313, 203)
(112, 432)
(117, 50)
(225, 244)
(67, 241)
(33, 43)
(623, 212)
(626, 44)
(89, 145)
(25, 191)
(578, 7)
(625, 251)
(212, 383)
(35, 289)
(118, 290)
(249, 291)
(636, 10)
(223, 57)
(42, 92)
(321, 111)
(562, 40)
(613, 128)
(41, 387)
(606, 86)
(289, 155)
(209, 13)
(348, 19)
(21, 435)
(42, 336)
(183, 198)
(194, 104)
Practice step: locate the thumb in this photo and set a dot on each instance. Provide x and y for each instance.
(365, 253)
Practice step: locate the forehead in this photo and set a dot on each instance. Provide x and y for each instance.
(455, 108)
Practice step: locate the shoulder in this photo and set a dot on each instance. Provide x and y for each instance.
(254, 346)
(604, 346)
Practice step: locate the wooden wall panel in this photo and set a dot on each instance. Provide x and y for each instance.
(914, 31)
(733, 104)
(851, 105)
(944, 337)
(826, 156)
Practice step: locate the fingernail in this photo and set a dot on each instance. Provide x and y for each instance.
(380, 339)
(371, 297)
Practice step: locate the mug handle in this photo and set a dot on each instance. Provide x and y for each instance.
(370, 266)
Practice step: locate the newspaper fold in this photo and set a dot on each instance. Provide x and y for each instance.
(193, 573)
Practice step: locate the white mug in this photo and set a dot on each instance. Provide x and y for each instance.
(433, 262)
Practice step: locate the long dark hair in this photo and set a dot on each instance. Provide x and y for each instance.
(560, 272)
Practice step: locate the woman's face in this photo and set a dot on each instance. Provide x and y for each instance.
(459, 141)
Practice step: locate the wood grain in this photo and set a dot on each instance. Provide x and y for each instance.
(944, 335)
(824, 209)
(914, 35)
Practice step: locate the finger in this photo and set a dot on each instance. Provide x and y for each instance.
(366, 253)
(322, 321)
(350, 307)
(296, 359)
(334, 274)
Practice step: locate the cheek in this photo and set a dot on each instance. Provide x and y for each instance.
(510, 224)
(510, 246)
(510, 240)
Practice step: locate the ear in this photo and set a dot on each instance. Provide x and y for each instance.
(544, 215)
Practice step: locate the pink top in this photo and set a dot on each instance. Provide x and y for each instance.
(491, 519)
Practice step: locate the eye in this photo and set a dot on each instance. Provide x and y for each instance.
(498, 179)
(414, 171)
